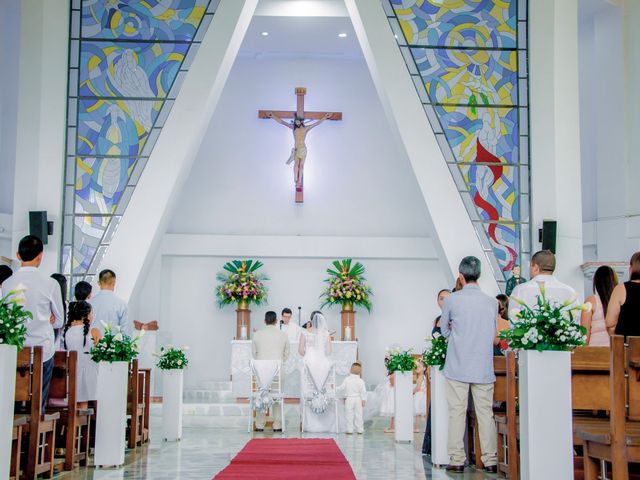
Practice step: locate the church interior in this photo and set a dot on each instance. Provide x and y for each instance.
(162, 150)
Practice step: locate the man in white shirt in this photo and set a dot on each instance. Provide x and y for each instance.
(108, 307)
(41, 295)
(543, 264)
(292, 330)
(355, 393)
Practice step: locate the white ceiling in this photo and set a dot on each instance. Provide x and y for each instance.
(300, 36)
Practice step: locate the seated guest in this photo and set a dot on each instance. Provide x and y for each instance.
(499, 346)
(108, 307)
(469, 321)
(62, 281)
(543, 264)
(623, 314)
(604, 281)
(82, 291)
(5, 272)
(43, 299)
(78, 336)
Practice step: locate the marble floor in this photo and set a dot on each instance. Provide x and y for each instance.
(208, 446)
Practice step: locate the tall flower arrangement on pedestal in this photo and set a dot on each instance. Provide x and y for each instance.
(346, 286)
(240, 284)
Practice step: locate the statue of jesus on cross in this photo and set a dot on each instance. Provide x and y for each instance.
(300, 130)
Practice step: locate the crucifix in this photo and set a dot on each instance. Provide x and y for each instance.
(300, 130)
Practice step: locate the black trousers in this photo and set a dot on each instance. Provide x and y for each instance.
(426, 442)
(47, 372)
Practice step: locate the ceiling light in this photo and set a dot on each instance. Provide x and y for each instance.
(342, 35)
(264, 34)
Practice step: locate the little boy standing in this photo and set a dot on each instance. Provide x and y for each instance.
(355, 396)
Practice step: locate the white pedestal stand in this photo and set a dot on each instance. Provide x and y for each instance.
(545, 415)
(8, 356)
(439, 417)
(404, 406)
(111, 420)
(172, 384)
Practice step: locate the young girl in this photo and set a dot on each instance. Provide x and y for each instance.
(420, 395)
(387, 408)
(78, 336)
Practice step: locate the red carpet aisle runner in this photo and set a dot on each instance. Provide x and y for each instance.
(306, 459)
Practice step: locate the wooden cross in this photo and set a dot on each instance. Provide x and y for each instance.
(299, 153)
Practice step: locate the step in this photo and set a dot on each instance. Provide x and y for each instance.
(215, 409)
(208, 396)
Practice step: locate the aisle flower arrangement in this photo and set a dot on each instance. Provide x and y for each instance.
(547, 325)
(346, 285)
(115, 346)
(13, 319)
(240, 283)
(436, 354)
(398, 360)
(172, 358)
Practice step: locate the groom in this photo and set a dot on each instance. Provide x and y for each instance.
(270, 344)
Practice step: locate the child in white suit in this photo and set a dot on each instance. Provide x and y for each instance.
(355, 393)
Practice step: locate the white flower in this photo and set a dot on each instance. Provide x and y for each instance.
(179, 362)
(11, 330)
(118, 337)
(436, 335)
(1, 340)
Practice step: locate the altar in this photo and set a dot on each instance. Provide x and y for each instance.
(343, 354)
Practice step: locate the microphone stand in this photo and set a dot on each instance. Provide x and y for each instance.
(299, 316)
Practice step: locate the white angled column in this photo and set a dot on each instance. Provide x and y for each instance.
(149, 209)
(452, 228)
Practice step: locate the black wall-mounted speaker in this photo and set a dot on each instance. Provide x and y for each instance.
(39, 226)
(548, 235)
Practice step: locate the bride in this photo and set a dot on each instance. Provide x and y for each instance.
(319, 412)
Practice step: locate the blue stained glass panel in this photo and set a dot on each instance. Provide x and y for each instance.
(140, 70)
(88, 234)
(100, 183)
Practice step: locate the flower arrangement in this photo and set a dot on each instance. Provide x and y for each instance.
(436, 354)
(546, 326)
(346, 285)
(172, 358)
(399, 360)
(115, 347)
(13, 319)
(240, 283)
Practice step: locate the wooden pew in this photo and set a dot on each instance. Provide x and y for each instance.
(40, 428)
(74, 427)
(19, 421)
(617, 442)
(507, 423)
(135, 406)
(146, 372)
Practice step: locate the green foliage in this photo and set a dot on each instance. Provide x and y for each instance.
(13, 320)
(115, 347)
(346, 285)
(400, 360)
(240, 282)
(437, 354)
(546, 326)
(172, 358)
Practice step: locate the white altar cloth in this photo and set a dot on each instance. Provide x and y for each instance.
(343, 354)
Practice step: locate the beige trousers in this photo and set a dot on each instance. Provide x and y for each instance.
(457, 399)
(275, 415)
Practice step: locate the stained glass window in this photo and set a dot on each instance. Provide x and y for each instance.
(127, 62)
(468, 62)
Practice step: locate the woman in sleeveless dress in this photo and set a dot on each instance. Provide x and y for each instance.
(623, 315)
(78, 336)
(315, 348)
(604, 282)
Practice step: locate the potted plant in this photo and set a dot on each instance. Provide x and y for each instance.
(346, 286)
(545, 334)
(402, 363)
(172, 361)
(13, 332)
(112, 353)
(435, 356)
(241, 285)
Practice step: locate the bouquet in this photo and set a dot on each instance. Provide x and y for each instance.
(13, 319)
(437, 353)
(399, 360)
(346, 285)
(240, 283)
(115, 347)
(172, 358)
(546, 326)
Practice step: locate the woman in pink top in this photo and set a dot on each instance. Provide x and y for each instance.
(604, 281)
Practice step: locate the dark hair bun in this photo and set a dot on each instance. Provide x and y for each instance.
(79, 310)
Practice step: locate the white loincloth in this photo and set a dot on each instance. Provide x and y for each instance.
(297, 153)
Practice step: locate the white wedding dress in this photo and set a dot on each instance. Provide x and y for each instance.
(319, 412)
